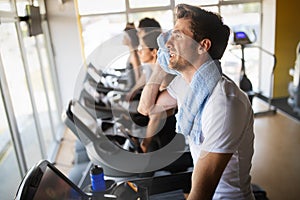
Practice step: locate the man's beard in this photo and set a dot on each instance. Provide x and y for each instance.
(179, 64)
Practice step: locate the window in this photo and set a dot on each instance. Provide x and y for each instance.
(29, 123)
(9, 172)
(86, 7)
(197, 2)
(98, 29)
(249, 13)
(19, 92)
(148, 3)
(5, 5)
(165, 18)
(244, 15)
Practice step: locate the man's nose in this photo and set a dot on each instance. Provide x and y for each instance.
(169, 43)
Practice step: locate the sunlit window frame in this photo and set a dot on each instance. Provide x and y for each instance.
(171, 7)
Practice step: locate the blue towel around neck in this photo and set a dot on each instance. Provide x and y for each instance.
(201, 86)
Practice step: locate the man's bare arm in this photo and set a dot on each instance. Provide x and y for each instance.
(207, 174)
(167, 80)
(164, 103)
(151, 90)
(138, 85)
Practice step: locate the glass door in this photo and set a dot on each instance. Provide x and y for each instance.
(19, 91)
(9, 168)
(30, 125)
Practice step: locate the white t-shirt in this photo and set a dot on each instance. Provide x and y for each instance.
(227, 127)
(178, 88)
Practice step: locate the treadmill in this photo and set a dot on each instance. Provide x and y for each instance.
(116, 159)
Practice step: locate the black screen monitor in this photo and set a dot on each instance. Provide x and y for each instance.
(45, 182)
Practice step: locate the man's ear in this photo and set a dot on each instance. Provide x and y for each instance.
(204, 46)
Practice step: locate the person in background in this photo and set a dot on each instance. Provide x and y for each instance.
(156, 124)
(144, 64)
(147, 52)
(147, 25)
(213, 113)
(131, 40)
(134, 34)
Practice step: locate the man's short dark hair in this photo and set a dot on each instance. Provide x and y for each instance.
(206, 24)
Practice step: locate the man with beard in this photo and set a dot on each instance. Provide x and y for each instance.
(213, 113)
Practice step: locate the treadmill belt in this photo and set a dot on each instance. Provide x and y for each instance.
(174, 195)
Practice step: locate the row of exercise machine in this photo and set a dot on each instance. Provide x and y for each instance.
(109, 130)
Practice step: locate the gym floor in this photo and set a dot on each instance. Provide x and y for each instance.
(276, 163)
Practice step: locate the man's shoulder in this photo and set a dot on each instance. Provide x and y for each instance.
(227, 89)
(228, 94)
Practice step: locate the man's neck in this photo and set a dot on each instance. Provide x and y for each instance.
(189, 72)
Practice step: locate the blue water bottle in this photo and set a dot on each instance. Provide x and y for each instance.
(97, 179)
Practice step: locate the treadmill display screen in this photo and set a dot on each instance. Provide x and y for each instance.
(54, 187)
(240, 35)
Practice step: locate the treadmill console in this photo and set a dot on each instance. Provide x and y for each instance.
(241, 38)
(45, 181)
